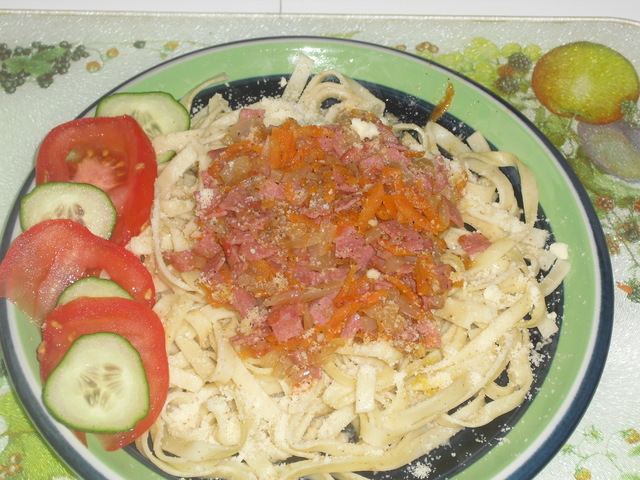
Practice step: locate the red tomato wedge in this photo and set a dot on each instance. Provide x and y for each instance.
(136, 322)
(112, 153)
(48, 257)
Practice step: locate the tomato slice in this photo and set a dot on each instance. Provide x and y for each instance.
(112, 153)
(48, 257)
(134, 321)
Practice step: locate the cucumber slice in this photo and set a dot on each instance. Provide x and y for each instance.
(165, 157)
(92, 287)
(99, 386)
(82, 202)
(158, 113)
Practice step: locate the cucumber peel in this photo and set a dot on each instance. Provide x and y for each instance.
(81, 202)
(99, 386)
(165, 156)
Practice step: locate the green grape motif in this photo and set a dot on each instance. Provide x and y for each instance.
(39, 63)
(504, 70)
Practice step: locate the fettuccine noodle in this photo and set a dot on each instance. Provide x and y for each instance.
(367, 401)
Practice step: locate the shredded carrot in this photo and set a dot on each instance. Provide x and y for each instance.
(371, 203)
(390, 172)
(421, 210)
(387, 209)
(394, 248)
(346, 286)
(261, 272)
(403, 288)
(350, 288)
(347, 175)
(282, 148)
(356, 286)
(300, 218)
(242, 147)
(290, 191)
(328, 190)
(425, 275)
(460, 186)
(342, 314)
(211, 298)
(431, 208)
(443, 105)
(409, 215)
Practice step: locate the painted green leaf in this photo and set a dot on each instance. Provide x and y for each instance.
(630, 476)
(27, 445)
(35, 67)
(553, 127)
(598, 182)
(49, 54)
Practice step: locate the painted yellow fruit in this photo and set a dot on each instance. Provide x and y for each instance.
(585, 80)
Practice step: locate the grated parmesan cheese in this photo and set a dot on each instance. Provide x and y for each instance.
(364, 129)
(560, 250)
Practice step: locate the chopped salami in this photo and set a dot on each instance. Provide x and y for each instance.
(473, 243)
(311, 227)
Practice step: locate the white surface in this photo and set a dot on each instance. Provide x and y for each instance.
(627, 9)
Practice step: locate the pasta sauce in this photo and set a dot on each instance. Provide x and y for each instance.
(317, 233)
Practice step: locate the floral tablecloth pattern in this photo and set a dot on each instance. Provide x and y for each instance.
(54, 64)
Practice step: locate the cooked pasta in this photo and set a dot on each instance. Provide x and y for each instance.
(338, 295)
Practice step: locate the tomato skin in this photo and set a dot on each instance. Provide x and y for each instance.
(136, 322)
(122, 162)
(48, 257)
